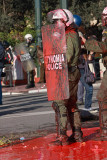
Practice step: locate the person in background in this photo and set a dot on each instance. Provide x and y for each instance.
(31, 47)
(2, 54)
(82, 84)
(101, 47)
(88, 87)
(80, 94)
(96, 58)
(8, 64)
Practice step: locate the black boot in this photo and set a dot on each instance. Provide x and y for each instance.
(75, 123)
(30, 86)
(62, 140)
(77, 135)
(30, 80)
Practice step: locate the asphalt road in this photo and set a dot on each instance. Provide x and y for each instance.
(29, 112)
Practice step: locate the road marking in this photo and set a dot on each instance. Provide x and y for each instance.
(96, 85)
(6, 94)
(11, 93)
(27, 114)
(33, 91)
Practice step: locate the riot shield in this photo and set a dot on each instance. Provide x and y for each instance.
(25, 58)
(56, 70)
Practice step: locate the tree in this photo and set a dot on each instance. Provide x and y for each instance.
(19, 15)
(90, 13)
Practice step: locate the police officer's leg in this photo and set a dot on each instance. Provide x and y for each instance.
(73, 111)
(102, 99)
(103, 119)
(32, 78)
(75, 123)
(57, 117)
(28, 79)
(61, 123)
(80, 93)
(10, 75)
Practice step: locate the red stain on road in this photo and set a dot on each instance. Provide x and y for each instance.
(39, 149)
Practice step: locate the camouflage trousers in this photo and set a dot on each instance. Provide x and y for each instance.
(102, 93)
(67, 109)
(103, 119)
(102, 99)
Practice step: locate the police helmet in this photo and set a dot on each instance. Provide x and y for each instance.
(63, 14)
(28, 36)
(77, 20)
(104, 17)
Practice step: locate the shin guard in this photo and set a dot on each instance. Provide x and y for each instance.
(60, 119)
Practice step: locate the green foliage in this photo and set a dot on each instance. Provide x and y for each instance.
(90, 12)
(17, 17)
(49, 6)
(14, 36)
(6, 23)
(3, 36)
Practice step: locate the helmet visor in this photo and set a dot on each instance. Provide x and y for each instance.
(50, 16)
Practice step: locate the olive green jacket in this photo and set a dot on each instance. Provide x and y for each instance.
(96, 46)
(101, 47)
(31, 49)
(73, 47)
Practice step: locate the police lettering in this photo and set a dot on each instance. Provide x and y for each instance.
(25, 57)
(53, 66)
(54, 62)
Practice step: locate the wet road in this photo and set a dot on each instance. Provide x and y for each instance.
(25, 112)
(39, 149)
(28, 112)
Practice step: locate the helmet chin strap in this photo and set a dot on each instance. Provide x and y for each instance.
(66, 15)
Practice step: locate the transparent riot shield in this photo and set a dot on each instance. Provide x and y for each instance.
(25, 58)
(56, 70)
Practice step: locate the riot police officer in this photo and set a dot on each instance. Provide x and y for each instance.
(31, 47)
(101, 47)
(67, 109)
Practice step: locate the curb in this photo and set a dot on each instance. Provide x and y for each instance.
(41, 90)
(23, 92)
(36, 91)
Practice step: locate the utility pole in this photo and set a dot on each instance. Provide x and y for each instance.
(38, 21)
(64, 4)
